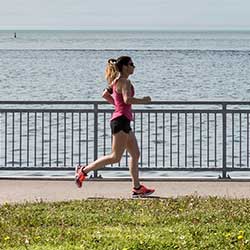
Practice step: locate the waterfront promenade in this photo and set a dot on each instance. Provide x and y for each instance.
(18, 190)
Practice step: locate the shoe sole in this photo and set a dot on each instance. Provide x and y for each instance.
(142, 195)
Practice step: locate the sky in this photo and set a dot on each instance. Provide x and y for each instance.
(127, 14)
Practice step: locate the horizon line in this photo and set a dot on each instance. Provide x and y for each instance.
(123, 29)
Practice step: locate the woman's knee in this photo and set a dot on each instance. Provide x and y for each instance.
(136, 155)
(115, 158)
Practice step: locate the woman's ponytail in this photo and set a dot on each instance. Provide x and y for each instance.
(111, 71)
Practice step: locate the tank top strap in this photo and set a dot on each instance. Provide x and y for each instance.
(114, 83)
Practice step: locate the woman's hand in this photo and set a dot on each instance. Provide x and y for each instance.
(108, 97)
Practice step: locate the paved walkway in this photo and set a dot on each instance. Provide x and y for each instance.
(61, 190)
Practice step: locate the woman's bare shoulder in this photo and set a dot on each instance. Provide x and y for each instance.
(123, 83)
(126, 83)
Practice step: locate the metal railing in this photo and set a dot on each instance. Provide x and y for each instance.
(190, 136)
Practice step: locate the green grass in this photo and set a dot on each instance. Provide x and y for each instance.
(182, 223)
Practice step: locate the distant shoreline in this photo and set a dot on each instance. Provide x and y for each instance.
(125, 30)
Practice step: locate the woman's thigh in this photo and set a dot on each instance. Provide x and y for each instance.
(119, 143)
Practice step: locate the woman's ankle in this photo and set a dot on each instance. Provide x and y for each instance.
(84, 171)
(137, 187)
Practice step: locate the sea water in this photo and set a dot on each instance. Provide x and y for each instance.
(170, 65)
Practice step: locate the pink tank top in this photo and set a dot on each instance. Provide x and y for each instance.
(121, 108)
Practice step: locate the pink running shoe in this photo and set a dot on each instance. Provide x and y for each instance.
(142, 192)
(80, 176)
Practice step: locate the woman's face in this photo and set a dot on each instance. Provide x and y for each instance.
(130, 67)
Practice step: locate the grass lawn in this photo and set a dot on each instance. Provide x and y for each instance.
(182, 223)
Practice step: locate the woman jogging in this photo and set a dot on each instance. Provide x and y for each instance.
(120, 93)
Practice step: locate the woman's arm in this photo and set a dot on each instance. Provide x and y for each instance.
(128, 99)
(107, 96)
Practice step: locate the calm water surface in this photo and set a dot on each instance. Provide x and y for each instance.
(69, 65)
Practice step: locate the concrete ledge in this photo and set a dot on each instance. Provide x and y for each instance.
(121, 179)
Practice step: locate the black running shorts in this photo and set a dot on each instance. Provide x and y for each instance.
(121, 123)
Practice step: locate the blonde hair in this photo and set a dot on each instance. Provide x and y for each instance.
(114, 67)
(111, 71)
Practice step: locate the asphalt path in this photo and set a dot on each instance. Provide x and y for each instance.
(30, 190)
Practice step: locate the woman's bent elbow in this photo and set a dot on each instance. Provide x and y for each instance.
(105, 95)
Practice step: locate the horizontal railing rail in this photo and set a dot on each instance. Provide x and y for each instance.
(172, 135)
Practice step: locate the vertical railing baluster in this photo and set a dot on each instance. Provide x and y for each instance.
(141, 147)
(224, 132)
(200, 139)
(87, 138)
(185, 139)
(233, 140)
(13, 138)
(79, 145)
(208, 141)
(163, 144)
(240, 146)
(42, 139)
(193, 138)
(156, 131)
(72, 139)
(247, 139)
(171, 140)
(35, 139)
(148, 139)
(28, 141)
(6, 139)
(215, 139)
(65, 138)
(104, 133)
(178, 139)
(20, 142)
(50, 134)
(95, 136)
(111, 143)
(57, 139)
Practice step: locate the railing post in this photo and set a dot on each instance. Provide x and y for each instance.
(224, 141)
(95, 136)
